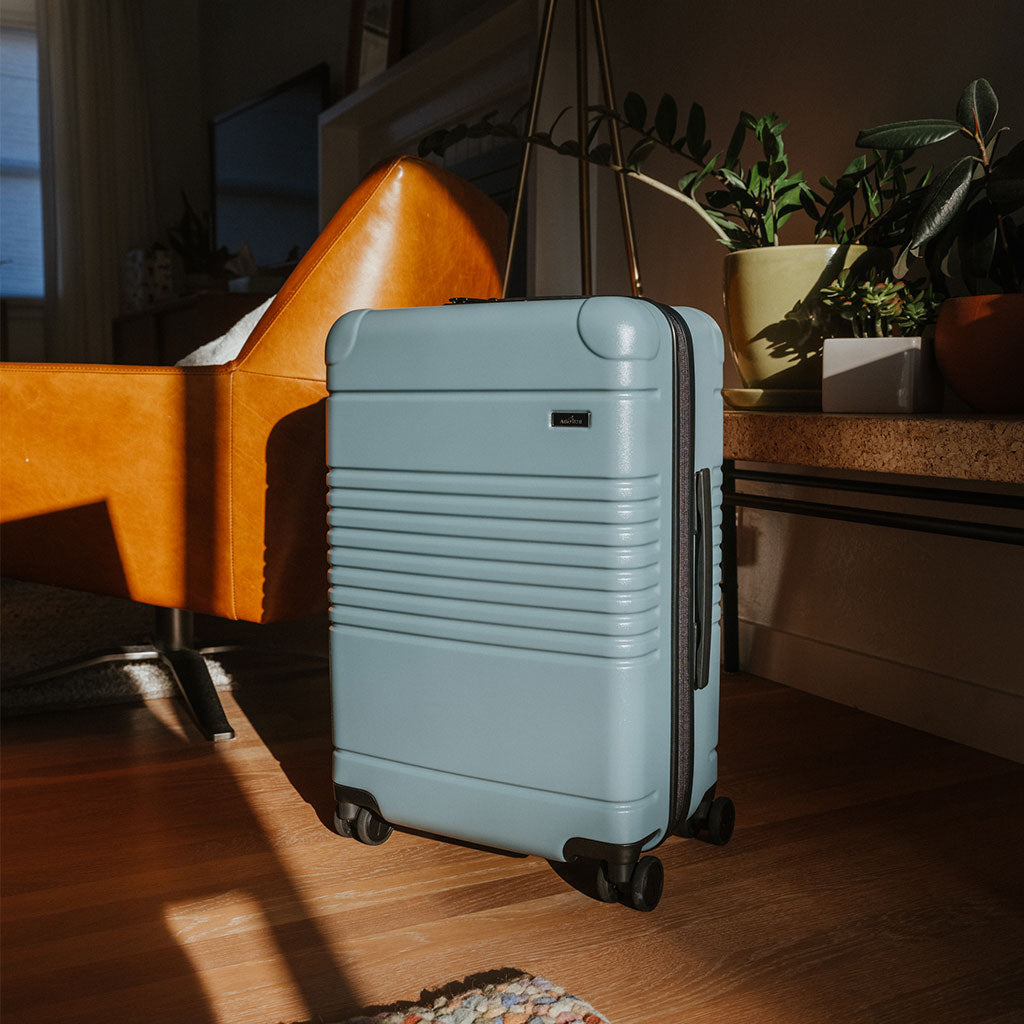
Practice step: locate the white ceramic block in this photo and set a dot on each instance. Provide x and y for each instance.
(895, 375)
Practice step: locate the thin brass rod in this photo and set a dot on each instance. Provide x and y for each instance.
(616, 140)
(524, 166)
(586, 271)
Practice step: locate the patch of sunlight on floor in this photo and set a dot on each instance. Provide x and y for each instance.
(231, 945)
(171, 713)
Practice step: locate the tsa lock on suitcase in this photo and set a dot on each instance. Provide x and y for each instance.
(525, 519)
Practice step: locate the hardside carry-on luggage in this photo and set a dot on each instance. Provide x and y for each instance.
(525, 525)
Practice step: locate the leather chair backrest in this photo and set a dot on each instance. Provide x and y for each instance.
(412, 234)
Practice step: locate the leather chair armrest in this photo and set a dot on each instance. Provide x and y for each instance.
(111, 479)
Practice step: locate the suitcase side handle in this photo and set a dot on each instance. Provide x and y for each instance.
(703, 583)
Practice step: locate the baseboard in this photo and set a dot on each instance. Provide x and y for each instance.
(978, 716)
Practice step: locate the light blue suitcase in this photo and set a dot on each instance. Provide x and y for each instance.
(525, 525)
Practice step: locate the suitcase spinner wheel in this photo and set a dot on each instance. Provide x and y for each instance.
(721, 820)
(642, 891)
(367, 826)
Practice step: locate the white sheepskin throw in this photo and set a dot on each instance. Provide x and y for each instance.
(225, 348)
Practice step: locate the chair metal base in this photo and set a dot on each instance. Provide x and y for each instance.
(174, 649)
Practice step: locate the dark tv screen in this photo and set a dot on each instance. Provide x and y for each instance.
(265, 174)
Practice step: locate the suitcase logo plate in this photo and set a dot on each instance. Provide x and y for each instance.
(570, 419)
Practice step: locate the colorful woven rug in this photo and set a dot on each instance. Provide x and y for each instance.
(522, 1000)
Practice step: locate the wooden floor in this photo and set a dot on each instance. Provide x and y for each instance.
(876, 874)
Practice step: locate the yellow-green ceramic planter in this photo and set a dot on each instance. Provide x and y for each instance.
(776, 320)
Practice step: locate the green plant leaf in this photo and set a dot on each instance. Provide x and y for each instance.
(706, 170)
(601, 154)
(696, 126)
(785, 212)
(723, 198)
(807, 202)
(943, 200)
(640, 152)
(977, 108)
(570, 147)
(732, 178)
(1005, 186)
(732, 153)
(665, 119)
(856, 167)
(907, 134)
(758, 178)
(635, 109)
(686, 182)
(771, 145)
(789, 190)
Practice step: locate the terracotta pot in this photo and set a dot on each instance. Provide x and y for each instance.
(776, 319)
(979, 345)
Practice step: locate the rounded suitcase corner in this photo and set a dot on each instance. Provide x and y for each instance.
(616, 327)
(341, 338)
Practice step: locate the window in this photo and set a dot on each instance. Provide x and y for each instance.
(21, 212)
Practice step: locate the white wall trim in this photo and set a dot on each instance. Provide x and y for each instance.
(983, 717)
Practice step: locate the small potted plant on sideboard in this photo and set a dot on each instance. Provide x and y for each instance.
(887, 364)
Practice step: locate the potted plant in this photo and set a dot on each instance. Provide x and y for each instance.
(192, 238)
(887, 362)
(772, 291)
(968, 234)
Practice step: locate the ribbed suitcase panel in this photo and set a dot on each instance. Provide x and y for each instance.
(536, 574)
(554, 556)
(576, 489)
(555, 640)
(612, 602)
(547, 531)
(602, 531)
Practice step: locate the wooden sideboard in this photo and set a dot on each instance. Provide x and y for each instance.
(962, 447)
(948, 453)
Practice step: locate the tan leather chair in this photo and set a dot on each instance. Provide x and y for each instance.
(203, 488)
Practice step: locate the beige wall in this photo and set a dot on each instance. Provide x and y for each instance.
(922, 629)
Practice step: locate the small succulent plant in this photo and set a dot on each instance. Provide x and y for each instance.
(876, 305)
